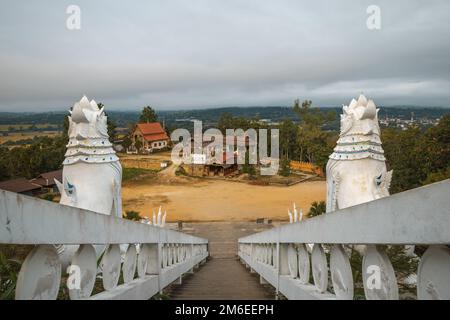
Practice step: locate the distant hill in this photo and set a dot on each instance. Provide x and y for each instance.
(211, 116)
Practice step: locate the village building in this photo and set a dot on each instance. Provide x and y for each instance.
(219, 165)
(47, 180)
(149, 137)
(21, 185)
(213, 162)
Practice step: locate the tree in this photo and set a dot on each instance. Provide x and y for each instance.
(288, 139)
(247, 167)
(148, 115)
(285, 169)
(138, 145)
(132, 215)
(436, 147)
(126, 142)
(317, 208)
(417, 157)
(402, 149)
(314, 144)
(309, 116)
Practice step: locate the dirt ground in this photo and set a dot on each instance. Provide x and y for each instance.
(217, 200)
(194, 199)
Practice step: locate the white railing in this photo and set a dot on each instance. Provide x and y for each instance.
(285, 256)
(161, 256)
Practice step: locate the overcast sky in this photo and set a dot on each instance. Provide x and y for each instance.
(197, 54)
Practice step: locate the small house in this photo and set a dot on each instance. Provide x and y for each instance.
(47, 180)
(149, 137)
(21, 185)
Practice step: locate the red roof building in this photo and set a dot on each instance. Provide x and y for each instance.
(148, 137)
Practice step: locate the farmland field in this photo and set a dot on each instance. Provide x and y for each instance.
(16, 136)
(7, 127)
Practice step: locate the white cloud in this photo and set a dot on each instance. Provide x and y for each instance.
(182, 54)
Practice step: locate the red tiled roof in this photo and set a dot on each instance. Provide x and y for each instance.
(19, 185)
(47, 179)
(150, 128)
(152, 131)
(156, 137)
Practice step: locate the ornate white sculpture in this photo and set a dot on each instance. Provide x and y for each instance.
(92, 174)
(356, 171)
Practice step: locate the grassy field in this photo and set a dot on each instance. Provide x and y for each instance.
(149, 162)
(129, 174)
(16, 136)
(6, 127)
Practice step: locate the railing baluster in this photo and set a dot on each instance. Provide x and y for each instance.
(341, 273)
(129, 264)
(379, 278)
(111, 267)
(82, 273)
(319, 268)
(40, 275)
(433, 275)
(293, 260)
(304, 265)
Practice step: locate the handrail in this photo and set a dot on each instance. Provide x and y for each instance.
(419, 216)
(28, 220)
(160, 256)
(284, 256)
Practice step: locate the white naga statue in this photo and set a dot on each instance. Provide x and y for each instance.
(92, 174)
(356, 171)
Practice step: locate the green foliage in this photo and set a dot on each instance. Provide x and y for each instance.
(314, 144)
(289, 139)
(48, 196)
(148, 115)
(132, 215)
(9, 270)
(310, 117)
(11, 258)
(317, 208)
(161, 296)
(43, 155)
(138, 144)
(126, 143)
(285, 169)
(135, 173)
(356, 260)
(247, 167)
(227, 121)
(438, 176)
(417, 157)
(404, 265)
